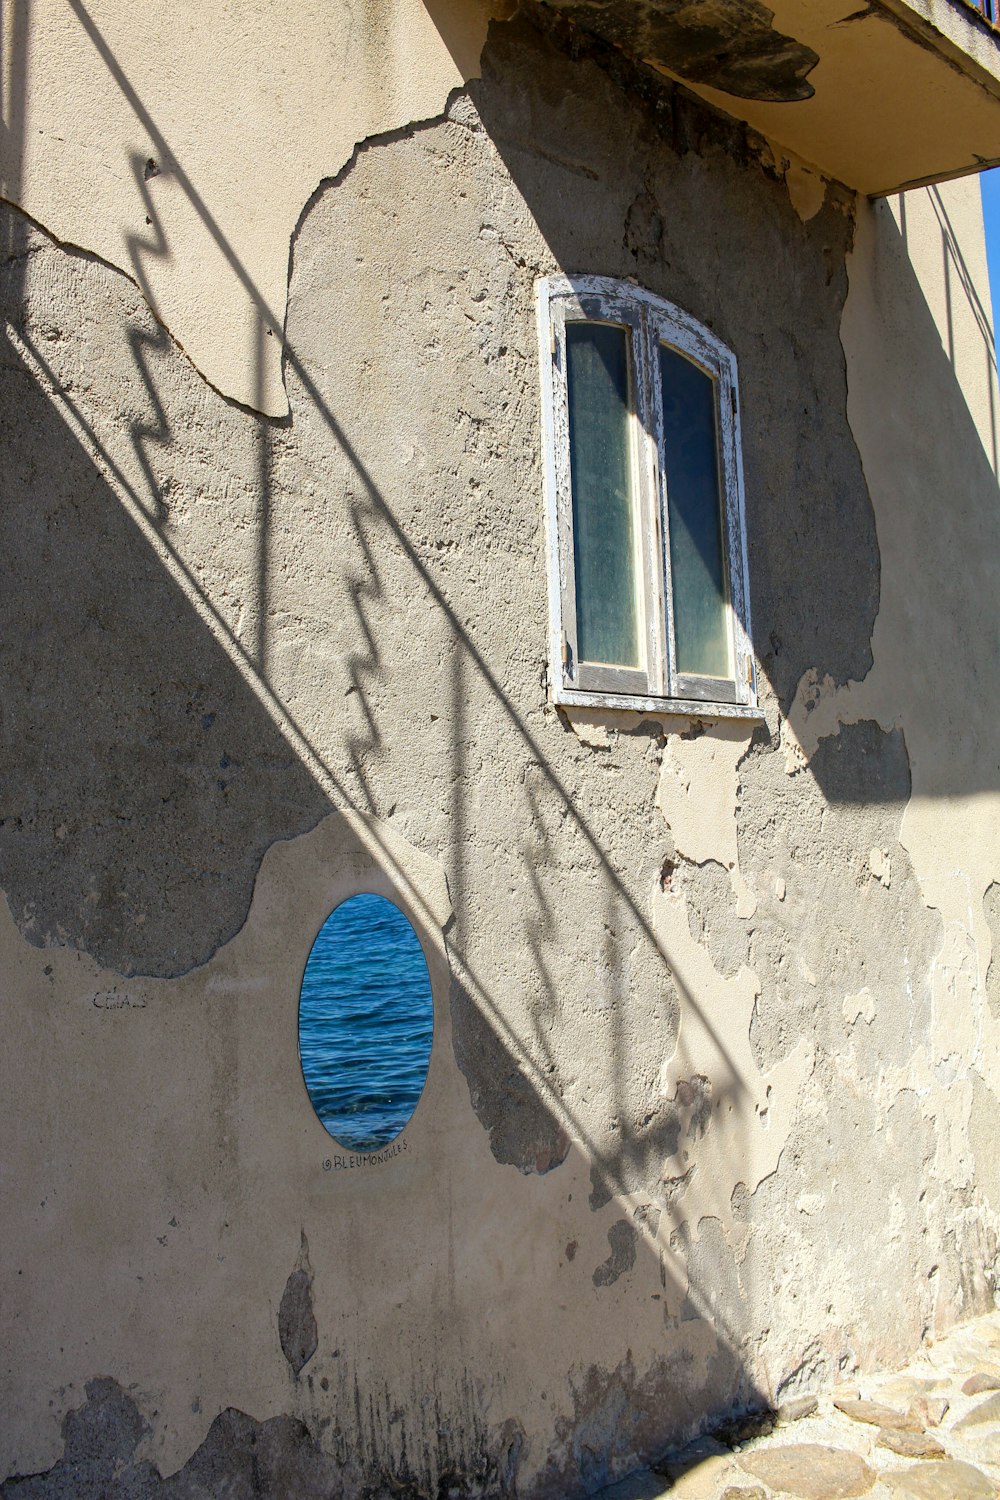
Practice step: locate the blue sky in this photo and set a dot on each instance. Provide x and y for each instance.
(990, 182)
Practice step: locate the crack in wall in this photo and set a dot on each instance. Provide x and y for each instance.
(220, 264)
(626, 1030)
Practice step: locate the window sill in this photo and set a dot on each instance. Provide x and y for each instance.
(690, 708)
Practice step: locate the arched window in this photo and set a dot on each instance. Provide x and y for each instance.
(648, 575)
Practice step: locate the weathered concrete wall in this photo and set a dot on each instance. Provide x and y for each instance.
(920, 302)
(182, 152)
(715, 1061)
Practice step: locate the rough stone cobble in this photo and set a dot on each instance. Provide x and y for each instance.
(929, 1432)
(910, 1444)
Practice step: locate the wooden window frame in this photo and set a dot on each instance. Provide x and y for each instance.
(657, 686)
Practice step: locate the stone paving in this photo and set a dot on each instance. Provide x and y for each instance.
(929, 1432)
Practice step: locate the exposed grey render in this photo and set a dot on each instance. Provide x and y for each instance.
(246, 662)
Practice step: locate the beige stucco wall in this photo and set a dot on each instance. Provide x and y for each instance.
(183, 150)
(715, 1057)
(926, 346)
(184, 153)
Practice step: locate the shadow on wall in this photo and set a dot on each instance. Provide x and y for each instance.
(739, 260)
(158, 716)
(168, 768)
(153, 737)
(773, 288)
(938, 621)
(960, 287)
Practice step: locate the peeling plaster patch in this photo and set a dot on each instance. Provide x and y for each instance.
(818, 709)
(881, 866)
(806, 188)
(752, 1112)
(622, 1239)
(616, 1422)
(715, 1269)
(590, 729)
(296, 1319)
(853, 796)
(524, 1131)
(693, 1102)
(983, 1138)
(601, 730)
(648, 1216)
(951, 823)
(862, 1004)
(731, 45)
(742, 1138)
(810, 1372)
(238, 1456)
(237, 153)
(663, 1145)
(639, 1154)
(991, 910)
(241, 1455)
(885, 1189)
(807, 952)
(100, 1439)
(704, 826)
(270, 1459)
(183, 760)
(713, 916)
(922, 975)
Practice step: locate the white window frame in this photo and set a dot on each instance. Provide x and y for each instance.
(657, 686)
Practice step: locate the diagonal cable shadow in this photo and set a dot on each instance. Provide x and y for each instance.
(954, 249)
(364, 591)
(379, 507)
(145, 346)
(614, 1173)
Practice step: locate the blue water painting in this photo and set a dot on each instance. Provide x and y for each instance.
(366, 1019)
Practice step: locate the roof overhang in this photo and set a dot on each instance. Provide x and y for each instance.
(881, 95)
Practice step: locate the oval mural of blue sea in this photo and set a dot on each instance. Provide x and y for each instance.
(366, 1020)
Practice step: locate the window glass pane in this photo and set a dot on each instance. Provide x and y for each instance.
(694, 512)
(607, 615)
